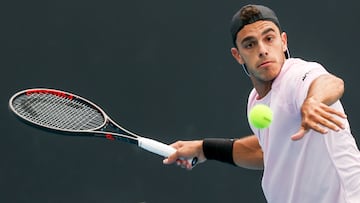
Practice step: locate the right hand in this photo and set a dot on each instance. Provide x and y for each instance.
(186, 150)
(319, 117)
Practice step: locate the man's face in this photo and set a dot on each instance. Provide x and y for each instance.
(261, 47)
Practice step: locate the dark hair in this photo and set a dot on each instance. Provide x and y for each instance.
(250, 14)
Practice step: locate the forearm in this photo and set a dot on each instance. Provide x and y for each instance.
(247, 153)
(326, 89)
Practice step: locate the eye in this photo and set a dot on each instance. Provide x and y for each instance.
(269, 38)
(249, 45)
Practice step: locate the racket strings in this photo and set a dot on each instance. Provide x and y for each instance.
(58, 112)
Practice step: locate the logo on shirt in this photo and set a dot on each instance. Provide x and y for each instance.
(305, 75)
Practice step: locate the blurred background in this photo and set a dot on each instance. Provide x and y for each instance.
(162, 69)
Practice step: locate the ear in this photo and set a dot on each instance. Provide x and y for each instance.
(235, 53)
(284, 41)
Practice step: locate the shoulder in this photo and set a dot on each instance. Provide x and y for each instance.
(296, 69)
(300, 65)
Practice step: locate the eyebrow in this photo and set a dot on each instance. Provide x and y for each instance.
(263, 33)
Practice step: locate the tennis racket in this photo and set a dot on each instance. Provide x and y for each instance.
(67, 113)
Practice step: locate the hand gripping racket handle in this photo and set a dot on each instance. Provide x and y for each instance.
(160, 148)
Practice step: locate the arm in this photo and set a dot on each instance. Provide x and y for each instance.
(246, 153)
(323, 92)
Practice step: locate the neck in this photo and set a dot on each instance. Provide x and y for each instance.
(262, 88)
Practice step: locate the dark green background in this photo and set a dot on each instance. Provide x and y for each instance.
(162, 69)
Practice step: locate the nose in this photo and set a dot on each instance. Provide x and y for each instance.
(262, 50)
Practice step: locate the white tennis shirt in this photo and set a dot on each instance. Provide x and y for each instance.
(316, 169)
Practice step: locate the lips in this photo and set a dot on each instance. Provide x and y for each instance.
(264, 64)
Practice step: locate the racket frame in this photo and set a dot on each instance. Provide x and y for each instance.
(128, 136)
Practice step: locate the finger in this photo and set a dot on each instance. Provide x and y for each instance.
(300, 134)
(166, 161)
(184, 164)
(330, 118)
(317, 125)
(320, 123)
(333, 122)
(176, 145)
(171, 159)
(334, 111)
(188, 166)
(319, 129)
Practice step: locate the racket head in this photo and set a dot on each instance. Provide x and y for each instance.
(57, 110)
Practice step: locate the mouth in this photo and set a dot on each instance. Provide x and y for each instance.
(264, 64)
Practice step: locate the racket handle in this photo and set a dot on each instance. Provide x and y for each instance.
(160, 148)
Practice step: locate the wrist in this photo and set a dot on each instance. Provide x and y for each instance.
(219, 149)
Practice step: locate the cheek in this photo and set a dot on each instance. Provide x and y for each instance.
(248, 57)
(279, 51)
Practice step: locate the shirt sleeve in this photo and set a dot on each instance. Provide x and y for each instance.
(304, 77)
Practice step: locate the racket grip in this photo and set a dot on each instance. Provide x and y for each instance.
(160, 148)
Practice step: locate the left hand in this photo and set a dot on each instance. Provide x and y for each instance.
(319, 117)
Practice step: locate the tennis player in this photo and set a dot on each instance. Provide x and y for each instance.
(308, 153)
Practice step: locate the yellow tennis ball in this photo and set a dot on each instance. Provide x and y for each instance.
(260, 116)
